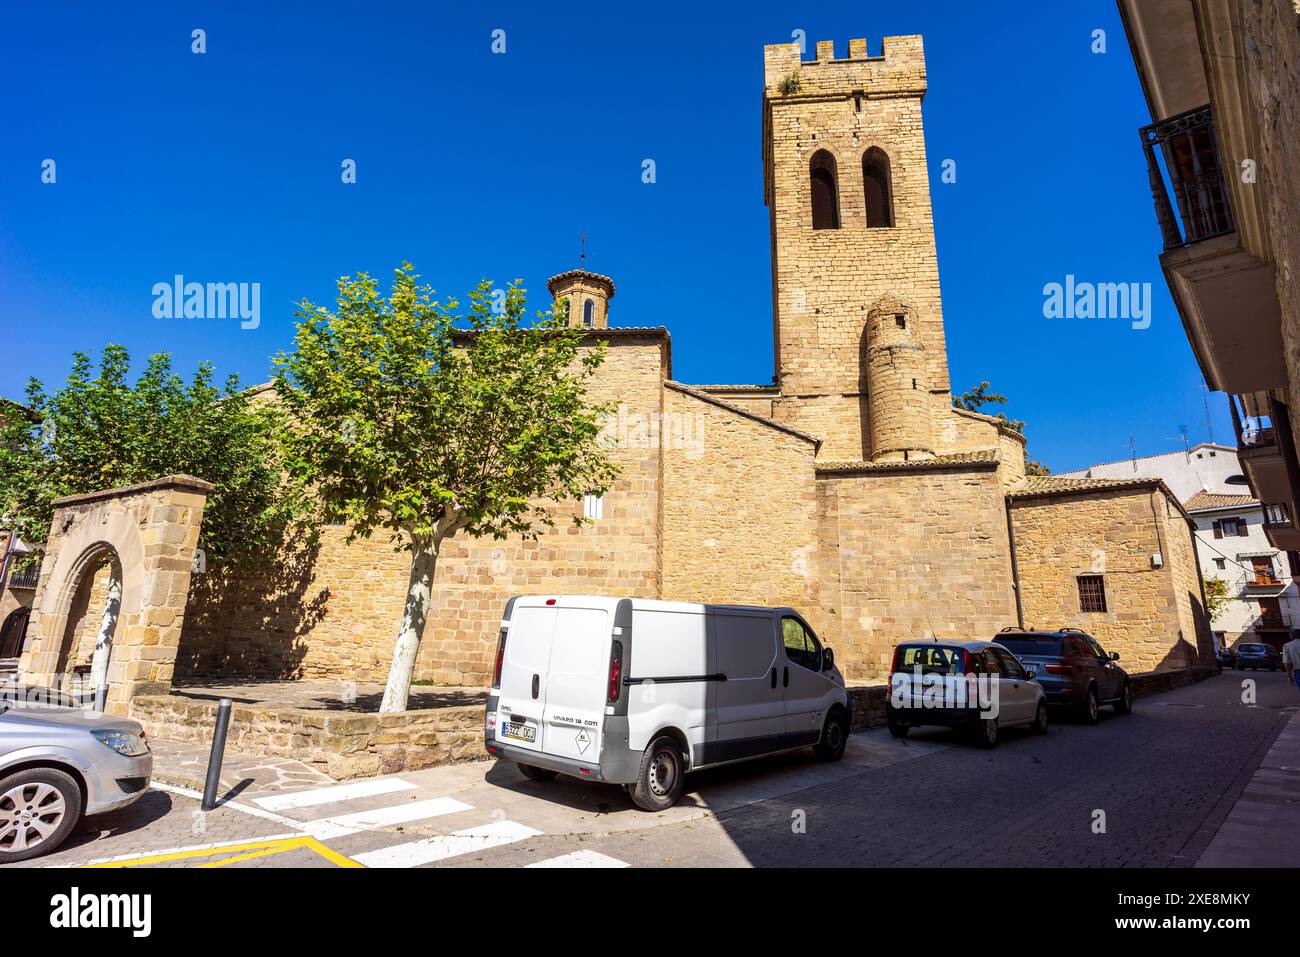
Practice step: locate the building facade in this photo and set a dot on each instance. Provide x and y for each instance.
(1222, 83)
(849, 487)
(1232, 544)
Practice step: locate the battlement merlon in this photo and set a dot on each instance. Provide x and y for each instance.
(898, 71)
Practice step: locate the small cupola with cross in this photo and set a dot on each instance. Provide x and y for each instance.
(584, 294)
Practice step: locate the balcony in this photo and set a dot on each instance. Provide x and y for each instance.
(1226, 296)
(1280, 528)
(25, 578)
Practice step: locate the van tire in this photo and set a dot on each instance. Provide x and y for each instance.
(534, 773)
(834, 739)
(51, 788)
(661, 776)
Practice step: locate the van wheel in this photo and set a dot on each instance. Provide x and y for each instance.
(897, 728)
(1091, 711)
(659, 781)
(1125, 703)
(537, 774)
(38, 808)
(1040, 719)
(835, 737)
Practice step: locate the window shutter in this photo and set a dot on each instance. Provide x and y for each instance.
(1218, 528)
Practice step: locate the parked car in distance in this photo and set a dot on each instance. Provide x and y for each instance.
(1074, 670)
(59, 764)
(949, 665)
(639, 692)
(1226, 658)
(1256, 655)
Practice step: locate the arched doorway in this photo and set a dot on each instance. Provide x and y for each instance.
(96, 585)
(146, 535)
(13, 633)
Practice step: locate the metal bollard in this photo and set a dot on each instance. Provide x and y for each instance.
(214, 759)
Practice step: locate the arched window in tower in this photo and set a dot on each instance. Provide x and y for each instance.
(825, 192)
(589, 313)
(877, 198)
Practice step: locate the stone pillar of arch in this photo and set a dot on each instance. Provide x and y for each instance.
(150, 531)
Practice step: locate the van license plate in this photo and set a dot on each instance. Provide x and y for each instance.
(520, 732)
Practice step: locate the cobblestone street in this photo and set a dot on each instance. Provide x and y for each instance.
(1165, 778)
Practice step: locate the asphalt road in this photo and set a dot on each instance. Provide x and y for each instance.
(1147, 790)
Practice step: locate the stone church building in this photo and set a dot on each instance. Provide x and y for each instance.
(850, 488)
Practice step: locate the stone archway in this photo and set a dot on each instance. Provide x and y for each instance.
(149, 532)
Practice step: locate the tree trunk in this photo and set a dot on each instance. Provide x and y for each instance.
(424, 559)
(104, 641)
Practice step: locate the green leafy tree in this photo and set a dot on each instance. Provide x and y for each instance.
(406, 423)
(977, 397)
(1216, 598)
(101, 430)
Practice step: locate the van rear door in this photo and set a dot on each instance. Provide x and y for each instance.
(577, 681)
(523, 676)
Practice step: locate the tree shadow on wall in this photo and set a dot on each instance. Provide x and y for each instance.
(253, 620)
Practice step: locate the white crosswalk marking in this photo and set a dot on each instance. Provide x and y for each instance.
(380, 817)
(582, 858)
(336, 792)
(447, 845)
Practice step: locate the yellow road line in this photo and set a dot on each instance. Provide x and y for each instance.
(265, 852)
(242, 852)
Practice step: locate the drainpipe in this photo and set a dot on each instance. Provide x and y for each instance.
(1015, 566)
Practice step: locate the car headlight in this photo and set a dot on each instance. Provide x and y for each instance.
(123, 742)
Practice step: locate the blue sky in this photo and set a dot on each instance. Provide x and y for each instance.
(226, 167)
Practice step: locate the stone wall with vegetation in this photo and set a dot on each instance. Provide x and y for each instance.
(334, 611)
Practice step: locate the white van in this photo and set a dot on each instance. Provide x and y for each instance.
(638, 692)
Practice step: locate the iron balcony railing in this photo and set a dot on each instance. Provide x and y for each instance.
(1277, 515)
(1252, 431)
(1187, 178)
(24, 578)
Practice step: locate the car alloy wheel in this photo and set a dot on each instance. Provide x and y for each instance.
(29, 813)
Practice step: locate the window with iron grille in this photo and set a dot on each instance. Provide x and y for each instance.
(1092, 593)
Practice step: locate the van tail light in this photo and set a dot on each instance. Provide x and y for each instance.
(501, 655)
(1064, 668)
(615, 672)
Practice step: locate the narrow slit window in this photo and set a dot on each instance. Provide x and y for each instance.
(825, 191)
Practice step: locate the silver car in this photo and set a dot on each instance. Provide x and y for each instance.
(58, 764)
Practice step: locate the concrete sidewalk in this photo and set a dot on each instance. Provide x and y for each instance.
(1263, 827)
(243, 775)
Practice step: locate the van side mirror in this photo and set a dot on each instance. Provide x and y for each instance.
(828, 659)
(1114, 656)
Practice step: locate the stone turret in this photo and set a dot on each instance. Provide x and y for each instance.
(588, 295)
(897, 393)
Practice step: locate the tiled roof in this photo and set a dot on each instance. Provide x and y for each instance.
(737, 388)
(1043, 485)
(1056, 485)
(980, 457)
(1204, 501)
(580, 274)
(1002, 424)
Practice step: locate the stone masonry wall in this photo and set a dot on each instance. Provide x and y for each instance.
(335, 613)
(911, 553)
(739, 514)
(825, 280)
(1149, 617)
(1271, 45)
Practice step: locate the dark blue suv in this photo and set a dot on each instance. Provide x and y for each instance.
(1074, 670)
